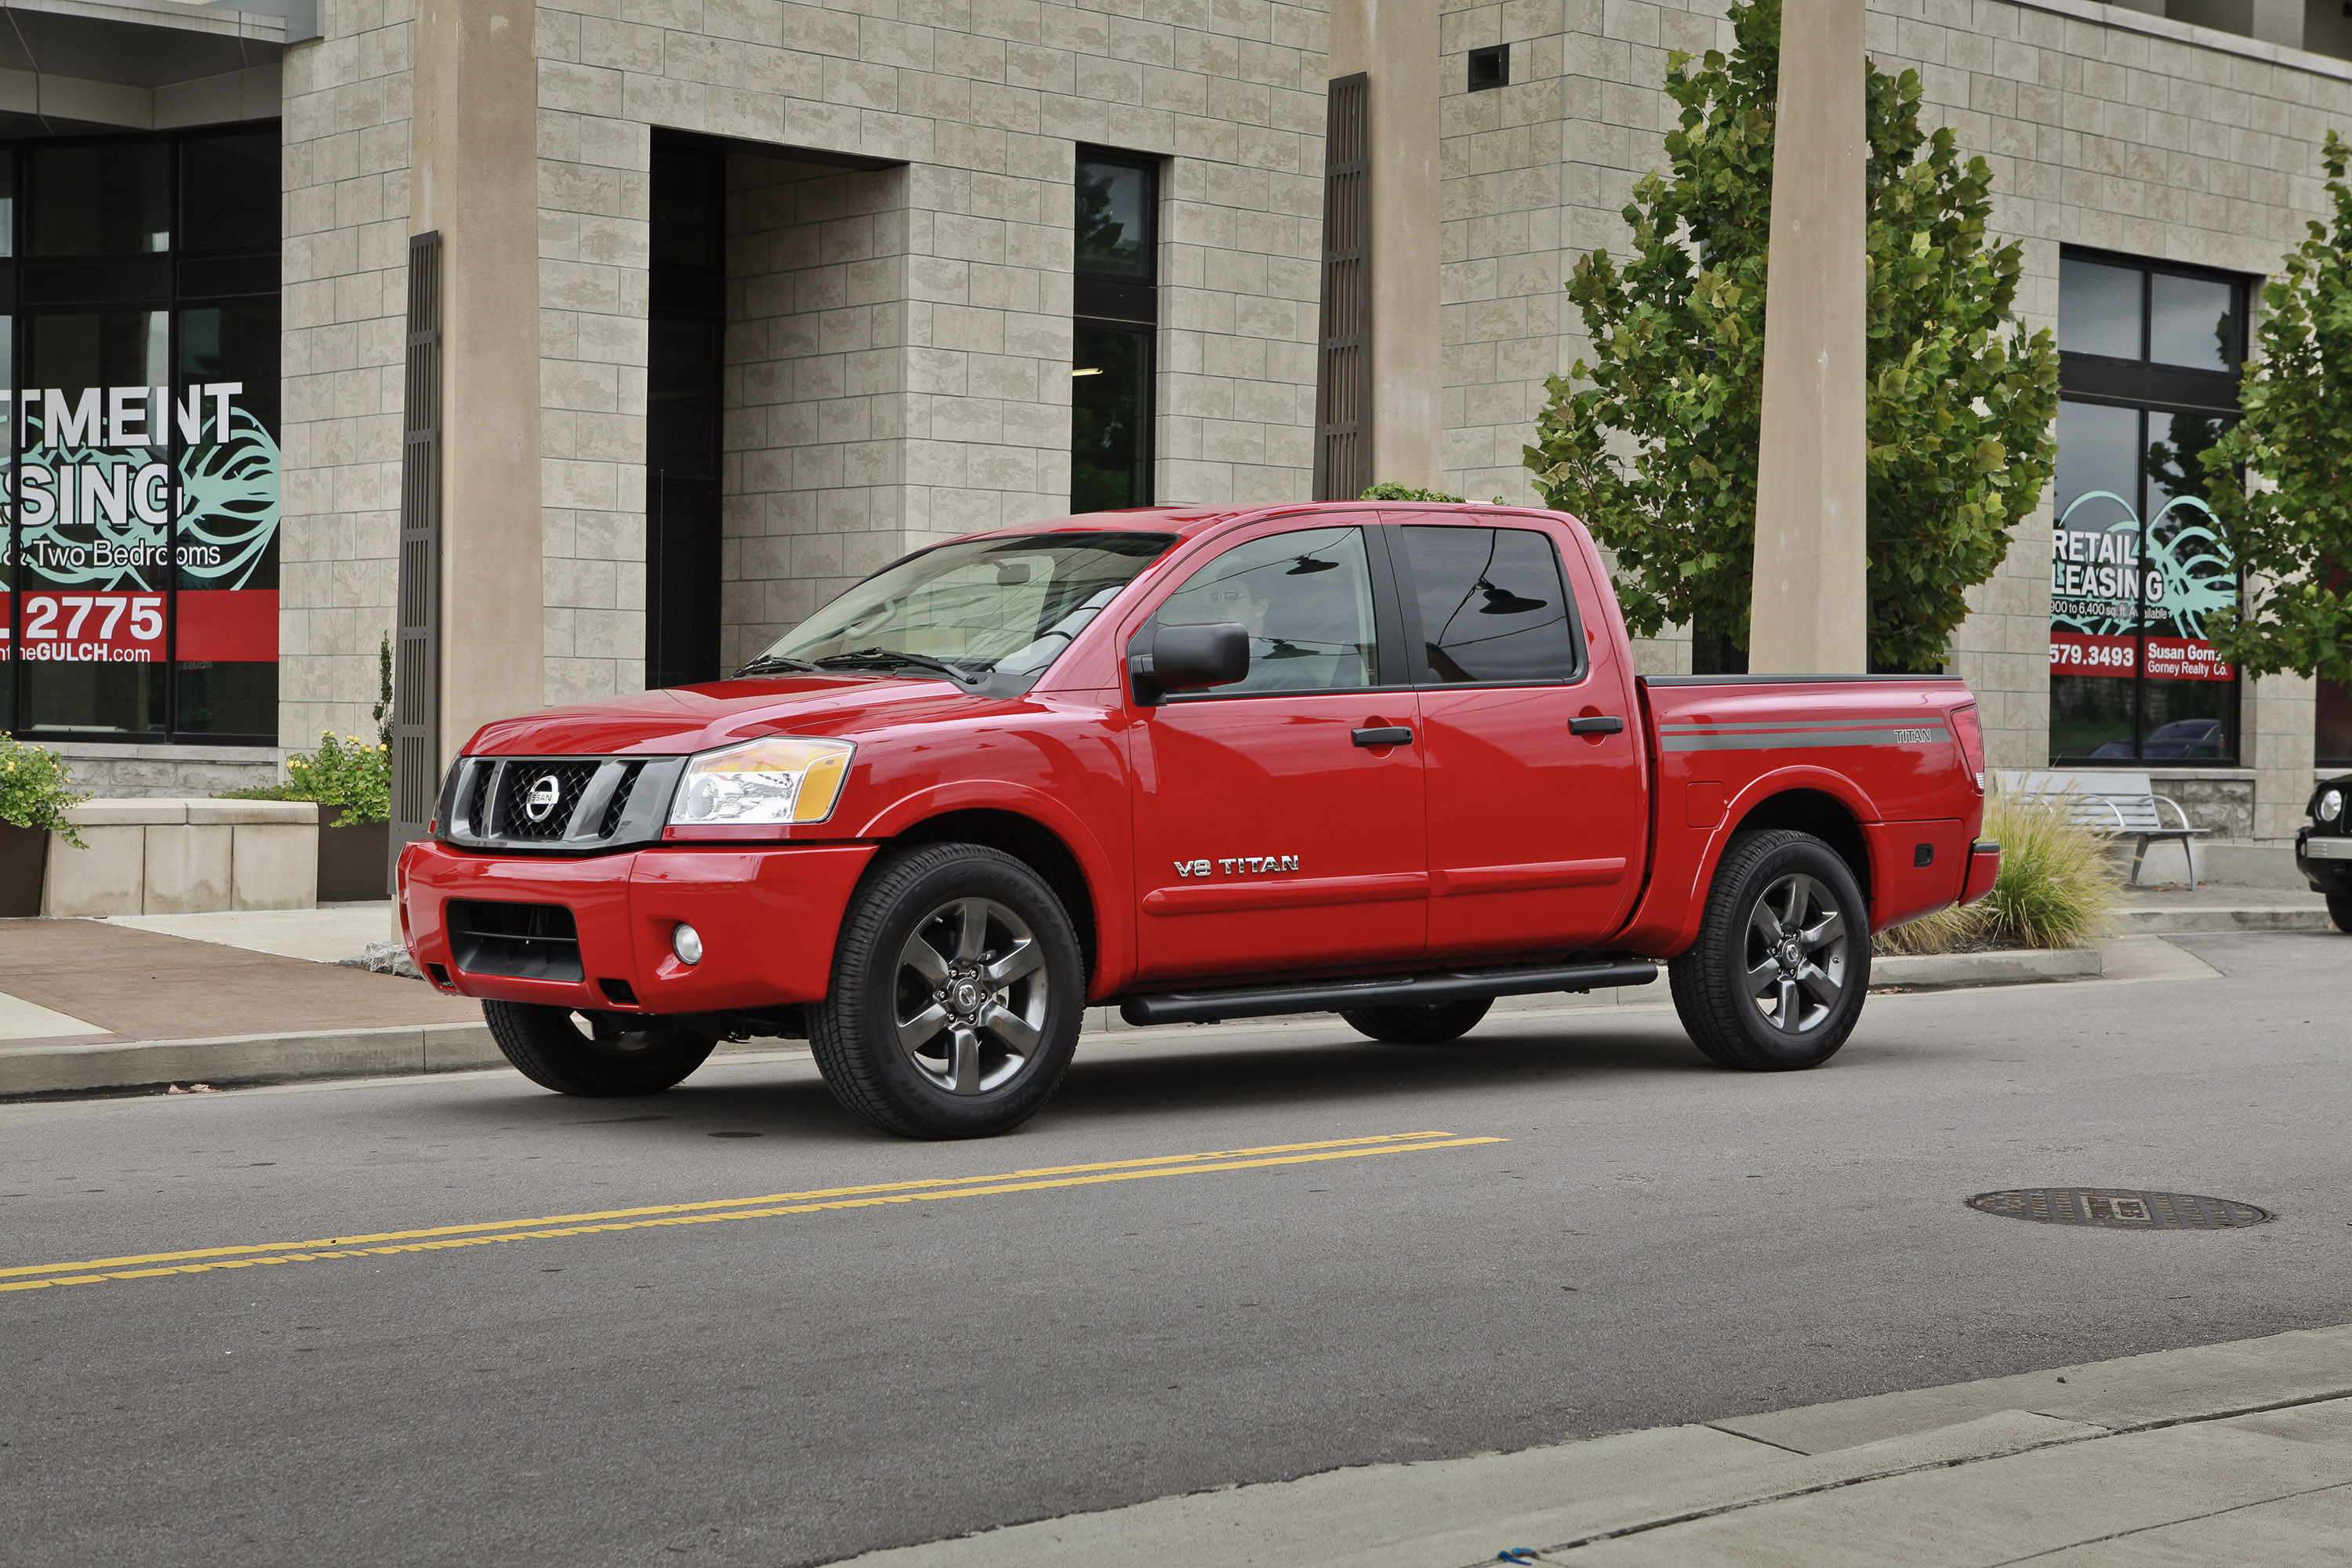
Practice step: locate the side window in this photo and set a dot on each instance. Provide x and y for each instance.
(1494, 605)
(1306, 601)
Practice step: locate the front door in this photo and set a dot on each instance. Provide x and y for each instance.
(1536, 832)
(1279, 821)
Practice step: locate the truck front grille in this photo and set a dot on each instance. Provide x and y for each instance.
(576, 805)
(520, 942)
(539, 800)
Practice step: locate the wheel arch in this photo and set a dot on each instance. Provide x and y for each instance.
(1037, 845)
(1820, 814)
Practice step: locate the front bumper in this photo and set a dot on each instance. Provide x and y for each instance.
(767, 916)
(2326, 860)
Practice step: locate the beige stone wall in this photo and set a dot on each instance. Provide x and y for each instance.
(814, 392)
(346, 266)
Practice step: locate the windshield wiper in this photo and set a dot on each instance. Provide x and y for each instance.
(894, 655)
(769, 663)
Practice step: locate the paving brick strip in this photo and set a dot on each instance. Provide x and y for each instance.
(2231, 1453)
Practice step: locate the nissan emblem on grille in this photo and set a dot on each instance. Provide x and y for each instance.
(543, 798)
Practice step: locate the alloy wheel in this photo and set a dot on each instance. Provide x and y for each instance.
(1796, 953)
(972, 994)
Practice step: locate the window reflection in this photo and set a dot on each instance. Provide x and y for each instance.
(2190, 322)
(1114, 220)
(1110, 394)
(2098, 309)
(1493, 606)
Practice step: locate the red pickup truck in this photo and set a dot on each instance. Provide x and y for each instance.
(1391, 762)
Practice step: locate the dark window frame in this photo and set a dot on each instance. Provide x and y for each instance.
(1120, 302)
(172, 281)
(1388, 612)
(2148, 388)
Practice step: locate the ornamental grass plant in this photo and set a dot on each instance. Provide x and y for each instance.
(2057, 887)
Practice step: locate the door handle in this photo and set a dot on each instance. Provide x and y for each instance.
(1598, 724)
(1385, 735)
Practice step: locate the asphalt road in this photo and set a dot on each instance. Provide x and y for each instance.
(1647, 1239)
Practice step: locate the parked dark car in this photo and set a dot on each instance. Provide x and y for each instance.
(2323, 850)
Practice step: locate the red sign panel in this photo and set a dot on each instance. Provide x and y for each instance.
(2168, 658)
(63, 626)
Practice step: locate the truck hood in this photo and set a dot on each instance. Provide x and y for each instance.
(683, 719)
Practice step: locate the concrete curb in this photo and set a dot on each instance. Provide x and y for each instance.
(2008, 966)
(2195, 921)
(1997, 1470)
(248, 1058)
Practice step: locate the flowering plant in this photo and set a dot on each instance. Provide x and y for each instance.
(36, 791)
(345, 770)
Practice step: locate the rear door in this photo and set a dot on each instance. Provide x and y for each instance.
(1279, 822)
(1536, 832)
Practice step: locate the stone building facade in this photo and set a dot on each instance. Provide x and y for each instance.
(899, 249)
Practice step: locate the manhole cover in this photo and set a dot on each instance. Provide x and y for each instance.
(2119, 1208)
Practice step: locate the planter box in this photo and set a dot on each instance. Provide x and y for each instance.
(354, 858)
(152, 857)
(24, 859)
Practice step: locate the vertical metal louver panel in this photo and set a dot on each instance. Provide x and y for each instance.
(1343, 377)
(416, 686)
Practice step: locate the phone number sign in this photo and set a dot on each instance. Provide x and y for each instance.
(64, 626)
(2168, 659)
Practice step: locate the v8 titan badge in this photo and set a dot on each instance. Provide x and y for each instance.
(1254, 865)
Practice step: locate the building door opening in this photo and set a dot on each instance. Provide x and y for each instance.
(684, 361)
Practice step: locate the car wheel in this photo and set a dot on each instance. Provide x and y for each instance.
(956, 998)
(607, 1058)
(2339, 910)
(1428, 1024)
(1777, 978)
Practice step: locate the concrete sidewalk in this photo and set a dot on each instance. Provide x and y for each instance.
(92, 1004)
(2231, 1453)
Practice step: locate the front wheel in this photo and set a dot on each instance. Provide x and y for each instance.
(956, 998)
(1777, 978)
(2339, 910)
(1418, 1023)
(606, 1059)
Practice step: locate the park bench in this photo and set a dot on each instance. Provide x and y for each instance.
(2116, 805)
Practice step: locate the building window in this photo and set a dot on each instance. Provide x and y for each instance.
(2148, 359)
(139, 324)
(685, 369)
(1116, 297)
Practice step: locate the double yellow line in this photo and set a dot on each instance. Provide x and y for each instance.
(438, 1238)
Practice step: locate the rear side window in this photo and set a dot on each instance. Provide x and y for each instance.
(1494, 605)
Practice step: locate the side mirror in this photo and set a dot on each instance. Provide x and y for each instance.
(1188, 658)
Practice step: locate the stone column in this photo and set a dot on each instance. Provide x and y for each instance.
(2279, 714)
(1395, 42)
(1812, 612)
(475, 179)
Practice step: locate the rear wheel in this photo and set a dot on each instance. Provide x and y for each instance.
(1777, 978)
(2339, 910)
(605, 1058)
(1427, 1024)
(956, 994)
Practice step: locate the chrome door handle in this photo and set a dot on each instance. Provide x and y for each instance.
(1385, 735)
(1598, 724)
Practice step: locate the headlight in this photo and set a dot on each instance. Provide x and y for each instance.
(2331, 804)
(785, 778)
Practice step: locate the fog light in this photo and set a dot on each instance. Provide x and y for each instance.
(686, 942)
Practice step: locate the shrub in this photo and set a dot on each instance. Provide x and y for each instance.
(2056, 888)
(353, 774)
(36, 791)
(1384, 491)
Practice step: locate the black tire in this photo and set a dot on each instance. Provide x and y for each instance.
(925, 1042)
(608, 1059)
(1750, 948)
(2339, 910)
(1425, 1024)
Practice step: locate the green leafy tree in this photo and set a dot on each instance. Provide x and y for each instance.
(1654, 443)
(2290, 533)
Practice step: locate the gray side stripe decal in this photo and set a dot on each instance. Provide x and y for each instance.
(1918, 735)
(1729, 726)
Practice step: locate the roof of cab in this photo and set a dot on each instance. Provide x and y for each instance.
(1185, 521)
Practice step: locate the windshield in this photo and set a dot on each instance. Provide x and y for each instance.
(1002, 607)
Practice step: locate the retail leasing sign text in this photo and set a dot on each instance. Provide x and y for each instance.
(96, 540)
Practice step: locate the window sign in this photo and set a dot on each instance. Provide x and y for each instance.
(142, 489)
(2136, 565)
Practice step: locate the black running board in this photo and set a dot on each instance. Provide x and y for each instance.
(1381, 991)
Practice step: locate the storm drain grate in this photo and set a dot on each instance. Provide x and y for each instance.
(2120, 1208)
